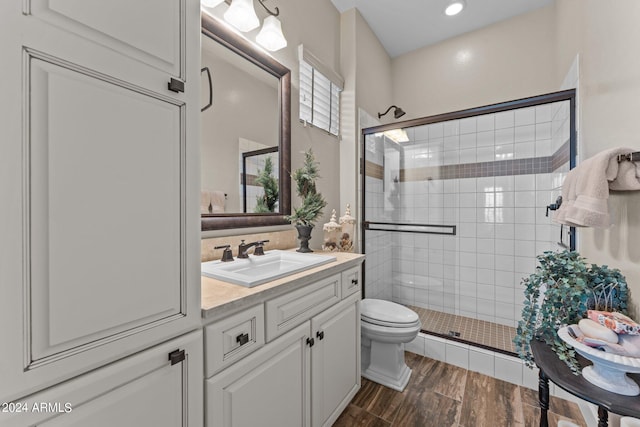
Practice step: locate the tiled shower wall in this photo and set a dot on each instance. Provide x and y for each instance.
(490, 175)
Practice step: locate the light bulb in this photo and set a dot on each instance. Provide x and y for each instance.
(270, 36)
(242, 15)
(454, 7)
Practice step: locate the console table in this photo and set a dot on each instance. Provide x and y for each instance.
(552, 368)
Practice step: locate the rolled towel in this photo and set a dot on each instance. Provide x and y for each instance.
(217, 201)
(205, 202)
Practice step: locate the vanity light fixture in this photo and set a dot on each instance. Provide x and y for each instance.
(397, 113)
(454, 7)
(270, 36)
(242, 15)
(210, 3)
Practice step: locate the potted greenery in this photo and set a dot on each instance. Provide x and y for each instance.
(307, 214)
(559, 293)
(267, 202)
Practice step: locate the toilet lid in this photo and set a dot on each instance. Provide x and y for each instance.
(383, 312)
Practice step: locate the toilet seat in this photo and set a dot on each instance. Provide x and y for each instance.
(387, 313)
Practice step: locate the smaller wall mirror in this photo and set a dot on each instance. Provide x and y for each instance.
(246, 135)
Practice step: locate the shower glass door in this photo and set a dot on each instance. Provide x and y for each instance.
(454, 212)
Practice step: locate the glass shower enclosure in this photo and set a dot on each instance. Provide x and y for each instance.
(455, 212)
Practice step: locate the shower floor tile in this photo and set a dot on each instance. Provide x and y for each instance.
(484, 333)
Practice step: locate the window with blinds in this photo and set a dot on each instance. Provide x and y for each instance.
(320, 89)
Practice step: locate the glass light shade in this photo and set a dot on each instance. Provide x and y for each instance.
(270, 36)
(210, 3)
(242, 15)
(454, 7)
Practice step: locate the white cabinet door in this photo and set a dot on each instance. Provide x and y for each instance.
(335, 360)
(145, 390)
(99, 256)
(268, 388)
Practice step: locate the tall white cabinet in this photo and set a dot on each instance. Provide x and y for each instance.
(99, 182)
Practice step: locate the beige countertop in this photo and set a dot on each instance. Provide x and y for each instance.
(220, 299)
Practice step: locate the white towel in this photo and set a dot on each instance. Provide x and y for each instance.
(217, 201)
(205, 202)
(568, 198)
(592, 180)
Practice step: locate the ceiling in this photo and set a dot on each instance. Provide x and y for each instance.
(406, 25)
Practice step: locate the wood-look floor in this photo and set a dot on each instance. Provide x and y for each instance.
(443, 395)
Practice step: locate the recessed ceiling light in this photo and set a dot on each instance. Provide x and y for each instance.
(454, 7)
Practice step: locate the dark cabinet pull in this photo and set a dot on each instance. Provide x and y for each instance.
(242, 339)
(320, 335)
(175, 85)
(354, 281)
(210, 89)
(176, 356)
(310, 342)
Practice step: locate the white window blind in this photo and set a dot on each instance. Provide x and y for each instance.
(320, 89)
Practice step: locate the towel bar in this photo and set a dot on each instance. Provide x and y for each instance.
(632, 157)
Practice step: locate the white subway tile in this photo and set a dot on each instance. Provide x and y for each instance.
(468, 125)
(524, 134)
(504, 119)
(416, 346)
(508, 369)
(481, 361)
(525, 182)
(485, 154)
(457, 354)
(525, 116)
(485, 139)
(485, 122)
(434, 348)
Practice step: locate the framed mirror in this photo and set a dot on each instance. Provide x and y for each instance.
(250, 115)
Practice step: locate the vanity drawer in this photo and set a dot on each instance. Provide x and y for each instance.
(288, 311)
(232, 338)
(351, 281)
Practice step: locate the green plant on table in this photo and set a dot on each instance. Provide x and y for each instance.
(559, 293)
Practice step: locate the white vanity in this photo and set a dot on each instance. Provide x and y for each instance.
(286, 353)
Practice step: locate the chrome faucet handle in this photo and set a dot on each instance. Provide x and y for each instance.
(227, 255)
(259, 250)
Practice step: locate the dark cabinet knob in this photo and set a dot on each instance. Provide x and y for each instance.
(310, 342)
(320, 335)
(354, 281)
(242, 339)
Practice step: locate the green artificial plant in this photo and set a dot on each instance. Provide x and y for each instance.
(312, 201)
(559, 293)
(267, 201)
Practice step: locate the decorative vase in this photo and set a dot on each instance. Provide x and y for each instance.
(304, 235)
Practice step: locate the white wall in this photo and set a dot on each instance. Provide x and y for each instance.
(366, 67)
(606, 39)
(508, 60)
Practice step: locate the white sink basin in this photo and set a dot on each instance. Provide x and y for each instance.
(257, 270)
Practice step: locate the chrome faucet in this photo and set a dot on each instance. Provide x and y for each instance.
(244, 247)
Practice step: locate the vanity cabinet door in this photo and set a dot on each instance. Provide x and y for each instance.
(335, 360)
(100, 248)
(145, 390)
(268, 388)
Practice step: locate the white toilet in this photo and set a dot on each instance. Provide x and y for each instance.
(386, 327)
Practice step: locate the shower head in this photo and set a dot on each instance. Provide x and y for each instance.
(397, 113)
